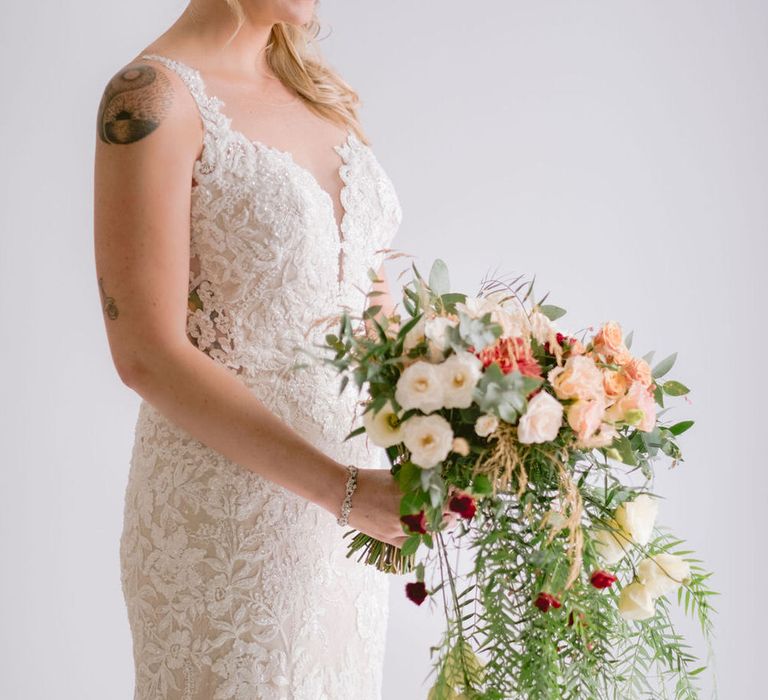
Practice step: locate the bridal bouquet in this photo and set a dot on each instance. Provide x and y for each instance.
(527, 436)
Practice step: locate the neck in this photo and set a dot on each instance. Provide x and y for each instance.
(205, 30)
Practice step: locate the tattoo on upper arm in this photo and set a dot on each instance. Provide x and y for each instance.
(134, 104)
(110, 308)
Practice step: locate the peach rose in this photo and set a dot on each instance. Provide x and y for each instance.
(639, 370)
(622, 356)
(615, 383)
(610, 338)
(609, 342)
(585, 417)
(636, 407)
(578, 378)
(577, 347)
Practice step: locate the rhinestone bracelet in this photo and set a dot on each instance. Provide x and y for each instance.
(346, 506)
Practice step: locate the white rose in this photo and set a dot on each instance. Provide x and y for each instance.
(436, 329)
(383, 427)
(420, 386)
(663, 573)
(459, 375)
(429, 439)
(486, 424)
(636, 602)
(477, 307)
(541, 420)
(610, 544)
(510, 314)
(637, 517)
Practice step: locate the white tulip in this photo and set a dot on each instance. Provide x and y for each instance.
(420, 386)
(383, 426)
(459, 375)
(636, 602)
(612, 545)
(429, 439)
(663, 573)
(486, 424)
(637, 517)
(542, 419)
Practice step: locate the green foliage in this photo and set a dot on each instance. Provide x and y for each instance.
(504, 394)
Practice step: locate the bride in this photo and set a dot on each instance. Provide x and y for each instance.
(237, 201)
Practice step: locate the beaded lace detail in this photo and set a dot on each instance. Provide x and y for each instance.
(236, 587)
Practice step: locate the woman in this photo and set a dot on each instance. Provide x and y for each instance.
(216, 255)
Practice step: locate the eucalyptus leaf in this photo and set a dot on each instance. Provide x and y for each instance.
(439, 281)
(625, 450)
(552, 312)
(681, 427)
(673, 388)
(664, 366)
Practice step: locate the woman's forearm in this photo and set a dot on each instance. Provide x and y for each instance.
(204, 398)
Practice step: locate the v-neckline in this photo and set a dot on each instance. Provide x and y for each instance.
(215, 103)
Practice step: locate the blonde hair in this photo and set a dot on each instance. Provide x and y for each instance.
(322, 89)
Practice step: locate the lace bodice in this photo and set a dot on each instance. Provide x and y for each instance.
(268, 260)
(236, 588)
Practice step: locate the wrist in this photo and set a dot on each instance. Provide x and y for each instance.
(334, 489)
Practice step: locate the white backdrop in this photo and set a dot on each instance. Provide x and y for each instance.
(618, 150)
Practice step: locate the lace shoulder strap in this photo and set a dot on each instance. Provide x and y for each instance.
(208, 106)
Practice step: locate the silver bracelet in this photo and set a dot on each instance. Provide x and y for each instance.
(346, 505)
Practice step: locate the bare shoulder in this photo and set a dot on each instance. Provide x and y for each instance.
(139, 99)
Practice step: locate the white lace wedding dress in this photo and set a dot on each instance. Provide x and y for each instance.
(235, 587)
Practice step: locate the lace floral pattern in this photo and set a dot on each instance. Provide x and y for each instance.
(235, 587)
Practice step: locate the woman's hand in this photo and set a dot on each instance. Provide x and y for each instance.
(376, 506)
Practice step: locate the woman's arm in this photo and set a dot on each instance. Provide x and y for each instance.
(147, 140)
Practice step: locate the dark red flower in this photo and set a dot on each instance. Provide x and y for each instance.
(602, 579)
(562, 340)
(415, 522)
(545, 601)
(463, 504)
(416, 591)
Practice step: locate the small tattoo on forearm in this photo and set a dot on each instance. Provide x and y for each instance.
(110, 308)
(133, 104)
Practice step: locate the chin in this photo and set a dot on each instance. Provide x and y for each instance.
(294, 11)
